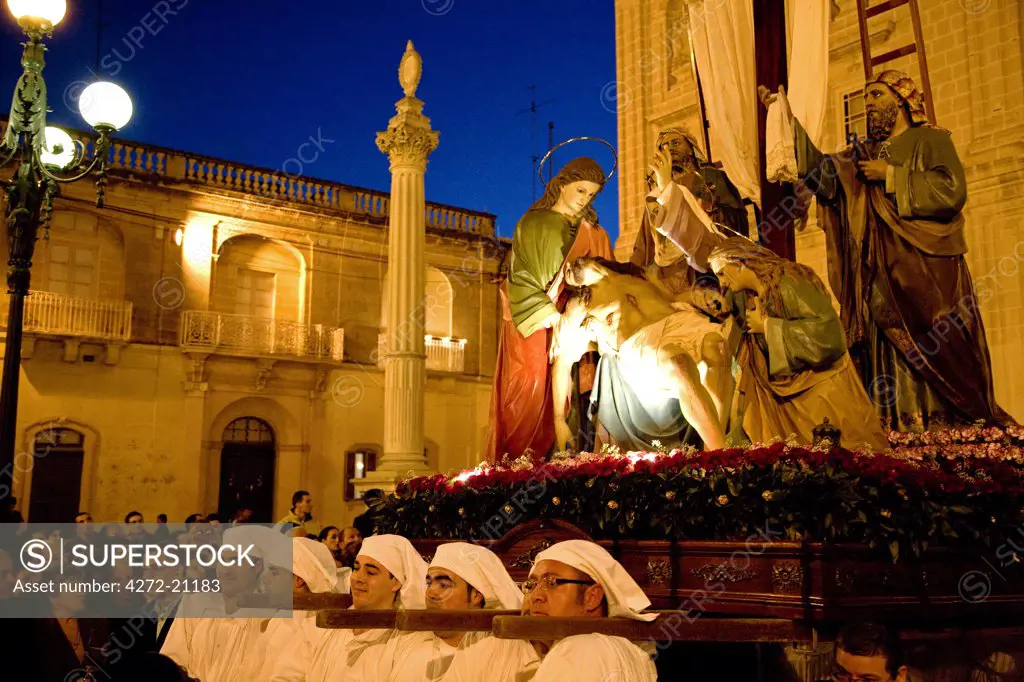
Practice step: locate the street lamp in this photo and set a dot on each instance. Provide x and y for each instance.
(42, 157)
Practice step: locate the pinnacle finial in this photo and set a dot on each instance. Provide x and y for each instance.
(410, 70)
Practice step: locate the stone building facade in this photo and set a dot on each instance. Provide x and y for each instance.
(976, 65)
(212, 335)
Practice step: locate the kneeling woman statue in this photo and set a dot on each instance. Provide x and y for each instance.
(794, 367)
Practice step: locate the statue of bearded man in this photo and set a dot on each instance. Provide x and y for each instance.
(891, 212)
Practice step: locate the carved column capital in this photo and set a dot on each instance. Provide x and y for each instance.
(408, 144)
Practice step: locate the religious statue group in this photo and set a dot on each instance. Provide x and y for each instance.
(707, 338)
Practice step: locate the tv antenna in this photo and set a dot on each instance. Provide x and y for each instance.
(534, 156)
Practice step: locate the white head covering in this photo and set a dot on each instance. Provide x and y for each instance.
(625, 598)
(398, 555)
(314, 564)
(273, 547)
(483, 570)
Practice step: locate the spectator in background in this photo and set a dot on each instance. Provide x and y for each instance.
(83, 523)
(331, 539)
(301, 518)
(162, 534)
(213, 518)
(242, 515)
(870, 652)
(136, 527)
(351, 542)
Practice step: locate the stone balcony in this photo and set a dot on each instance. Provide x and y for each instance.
(172, 167)
(444, 354)
(74, 320)
(212, 333)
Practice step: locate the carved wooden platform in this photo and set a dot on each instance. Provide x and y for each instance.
(764, 577)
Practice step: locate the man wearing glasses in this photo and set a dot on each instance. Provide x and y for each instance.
(868, 652)
(579, 579)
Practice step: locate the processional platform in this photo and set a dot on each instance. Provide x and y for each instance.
(925, 534)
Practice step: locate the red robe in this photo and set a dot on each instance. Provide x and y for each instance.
(522, 414)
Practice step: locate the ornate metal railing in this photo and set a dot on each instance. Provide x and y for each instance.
(63, 315)
(172, 166)
(203, 330)
(444, 354)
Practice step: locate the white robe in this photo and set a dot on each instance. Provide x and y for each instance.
(420, 657)
(295, 645)
(277, 641)
(216, 649)
(596, 658)
(492, 660)
(343, 656)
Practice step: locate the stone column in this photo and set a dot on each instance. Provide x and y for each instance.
(408, 142)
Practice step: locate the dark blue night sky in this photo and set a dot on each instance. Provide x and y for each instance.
(251, 81)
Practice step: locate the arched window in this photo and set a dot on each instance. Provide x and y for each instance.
(247, 463)
(248, 430)
(58, 456)
(437, 304)
(259, 278)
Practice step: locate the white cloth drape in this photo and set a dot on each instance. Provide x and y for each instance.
(722, 35)
(807, 24)
(780, 152)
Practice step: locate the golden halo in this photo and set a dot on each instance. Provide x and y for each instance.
(615, 156)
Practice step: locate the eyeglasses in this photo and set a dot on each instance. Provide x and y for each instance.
(549, 582)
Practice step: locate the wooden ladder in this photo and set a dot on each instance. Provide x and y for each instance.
(864, 12)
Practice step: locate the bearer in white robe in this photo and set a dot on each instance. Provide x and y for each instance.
(389, 574)
(580, 579)
(461, 576)
(293, 636)
(222, 644)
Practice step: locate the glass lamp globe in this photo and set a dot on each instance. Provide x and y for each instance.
(47, 13)
(58, 148)
(105, 105)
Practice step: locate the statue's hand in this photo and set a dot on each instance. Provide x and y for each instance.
(564, 439)
(661, 167)
(768, 97)
(874, 170)
(755, 316)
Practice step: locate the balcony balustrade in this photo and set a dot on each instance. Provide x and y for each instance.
(51, 314)
(169, 166)
(228, 334)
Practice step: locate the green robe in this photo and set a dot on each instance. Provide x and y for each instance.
(798, 373)
(806, 334)
(896, 264)
(541, 242)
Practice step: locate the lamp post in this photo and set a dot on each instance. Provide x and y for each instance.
(42, 158)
